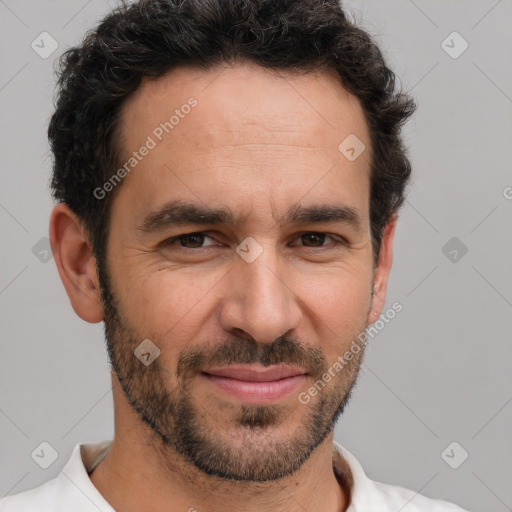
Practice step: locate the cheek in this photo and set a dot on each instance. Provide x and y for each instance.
(169, 305)
(338, 306)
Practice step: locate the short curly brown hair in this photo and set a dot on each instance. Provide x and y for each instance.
(148, 38)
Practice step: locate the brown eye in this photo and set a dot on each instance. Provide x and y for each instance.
(313, 239)
(192, 241)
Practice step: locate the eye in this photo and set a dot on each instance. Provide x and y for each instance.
(189, 240)
(310, 240)
(314, 239)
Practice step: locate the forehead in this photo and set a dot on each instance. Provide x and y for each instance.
(243, 100)
(242, 128)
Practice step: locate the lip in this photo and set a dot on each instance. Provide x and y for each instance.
(255, 372)
(256, 384)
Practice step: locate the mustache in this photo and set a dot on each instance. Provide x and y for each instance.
(282, 350)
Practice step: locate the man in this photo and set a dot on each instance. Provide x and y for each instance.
(228, 176)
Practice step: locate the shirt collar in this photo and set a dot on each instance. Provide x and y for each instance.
(363, 494)
(75, 485)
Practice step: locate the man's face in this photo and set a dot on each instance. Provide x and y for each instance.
(241, 333)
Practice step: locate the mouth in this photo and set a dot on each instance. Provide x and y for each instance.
(256, 384)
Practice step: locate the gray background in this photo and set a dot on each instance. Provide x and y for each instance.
(438, 373)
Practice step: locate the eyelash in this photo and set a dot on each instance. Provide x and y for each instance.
(337, 240)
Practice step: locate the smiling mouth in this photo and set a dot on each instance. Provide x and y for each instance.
(256, 384)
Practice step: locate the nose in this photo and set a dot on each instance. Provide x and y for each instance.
(260, 299)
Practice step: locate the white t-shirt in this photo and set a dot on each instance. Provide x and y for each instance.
(73, 491)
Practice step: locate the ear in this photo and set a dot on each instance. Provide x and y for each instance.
(382, 270)
(76, 263)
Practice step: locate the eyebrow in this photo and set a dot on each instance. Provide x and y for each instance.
(180, 213)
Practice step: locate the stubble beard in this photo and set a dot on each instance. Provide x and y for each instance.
(254, 449)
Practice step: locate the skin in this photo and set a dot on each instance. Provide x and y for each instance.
(258, 142)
